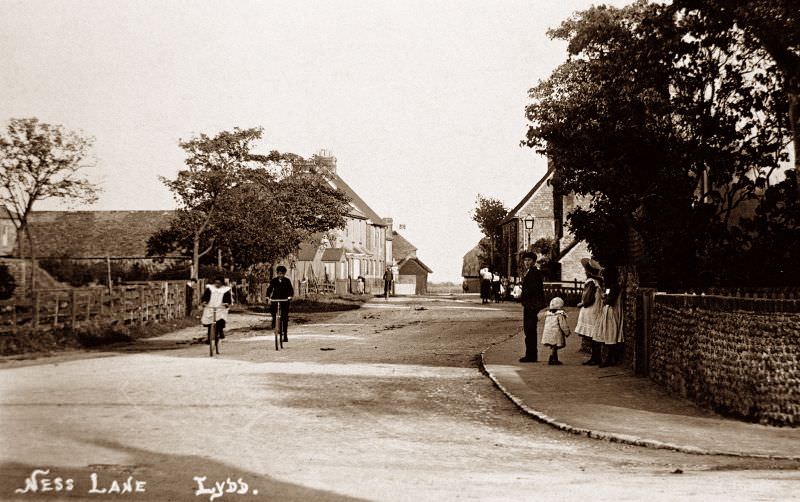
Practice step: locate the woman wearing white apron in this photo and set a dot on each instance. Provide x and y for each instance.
(591, 307)
(218, 296)
(609, 331)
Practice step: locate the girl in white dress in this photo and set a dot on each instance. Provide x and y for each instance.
(216, 295)
(591, 307)
(556, 329)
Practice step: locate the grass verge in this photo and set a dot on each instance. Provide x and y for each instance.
(85, 337)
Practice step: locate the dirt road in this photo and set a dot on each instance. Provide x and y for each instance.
(381, 403)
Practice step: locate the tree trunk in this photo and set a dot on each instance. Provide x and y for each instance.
(196, 257)
(32, 249)
(794, 120)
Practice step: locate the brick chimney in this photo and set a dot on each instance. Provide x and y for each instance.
(326, 159)
(388, 222)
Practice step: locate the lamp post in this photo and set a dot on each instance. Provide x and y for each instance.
(528, 227)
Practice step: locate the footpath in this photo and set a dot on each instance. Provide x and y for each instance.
(613, 404)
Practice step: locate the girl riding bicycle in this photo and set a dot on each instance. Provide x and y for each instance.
(216, 296)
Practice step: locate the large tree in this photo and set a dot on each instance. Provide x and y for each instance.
(488, 214)
(263, 215)
(668, 129)
(214, 166)
(276, 208)
(775, 25)
(41, 161)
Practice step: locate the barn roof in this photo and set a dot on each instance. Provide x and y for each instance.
(415, 260)
(93, 234)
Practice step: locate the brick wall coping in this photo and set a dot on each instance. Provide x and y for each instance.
(729, 303)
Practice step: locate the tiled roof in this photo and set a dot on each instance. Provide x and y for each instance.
(513, 213)
(91, 234)
(471, 263)
(417, 261)
(361, 209)
(401, 248)
(307, 251)
(333, 254)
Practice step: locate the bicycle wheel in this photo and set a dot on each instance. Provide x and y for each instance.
(279, 324)
(212, 335)
(278, 327)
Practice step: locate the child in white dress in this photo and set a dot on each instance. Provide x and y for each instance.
(556, 329)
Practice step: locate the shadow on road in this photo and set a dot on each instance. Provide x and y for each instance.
(166, 477)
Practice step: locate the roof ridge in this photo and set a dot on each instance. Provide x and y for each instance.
(510, 215)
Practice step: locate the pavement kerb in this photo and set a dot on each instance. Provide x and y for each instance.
(615, 437)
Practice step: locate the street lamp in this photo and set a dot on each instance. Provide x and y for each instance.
(528, 227)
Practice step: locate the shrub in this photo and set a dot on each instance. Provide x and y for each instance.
(7, 283)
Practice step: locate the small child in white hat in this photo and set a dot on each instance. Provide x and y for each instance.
(556, 329)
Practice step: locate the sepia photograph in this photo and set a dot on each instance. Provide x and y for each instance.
(420, 250)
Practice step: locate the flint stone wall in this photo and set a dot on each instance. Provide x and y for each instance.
(737, 356)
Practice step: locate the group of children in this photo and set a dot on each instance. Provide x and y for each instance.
(599, 318)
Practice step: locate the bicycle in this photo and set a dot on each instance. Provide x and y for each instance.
(212, 332)
(280, 335)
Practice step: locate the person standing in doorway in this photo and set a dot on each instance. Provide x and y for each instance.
(532, 302)
(388, 277)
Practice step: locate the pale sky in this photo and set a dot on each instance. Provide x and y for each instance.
(422, 102)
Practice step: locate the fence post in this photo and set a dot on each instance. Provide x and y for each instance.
(89, 299)
(73, 300)
(55, 313)
(102, 302)
(36, 309)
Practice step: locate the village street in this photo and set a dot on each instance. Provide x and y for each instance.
(381, 403)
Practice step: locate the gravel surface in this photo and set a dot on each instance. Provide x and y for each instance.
(381, 403)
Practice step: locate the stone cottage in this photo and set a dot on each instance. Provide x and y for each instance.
(542, 213)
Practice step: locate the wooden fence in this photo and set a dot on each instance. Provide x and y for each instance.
(75, 307)
(570, 292)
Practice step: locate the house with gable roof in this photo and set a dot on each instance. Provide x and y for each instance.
(412, 274)
(339, 257)
(542, 213)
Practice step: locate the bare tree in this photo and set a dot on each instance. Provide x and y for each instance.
(40, 161)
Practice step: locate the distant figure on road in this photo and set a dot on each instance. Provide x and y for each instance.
(280, 288)
(532, 302)
(496, 287)
(216, 295)
(486, 284)
(360, 282)
(388, 277)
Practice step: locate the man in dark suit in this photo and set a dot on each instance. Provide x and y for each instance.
(280, 288)
(532, 302)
